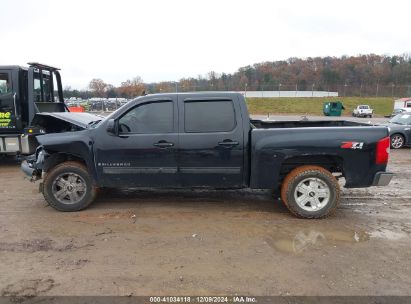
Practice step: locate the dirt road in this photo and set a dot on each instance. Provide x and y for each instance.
(202, 243)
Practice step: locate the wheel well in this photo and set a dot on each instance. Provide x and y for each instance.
(399, 133)
(334, 164)
(58, 158)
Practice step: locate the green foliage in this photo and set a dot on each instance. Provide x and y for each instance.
(330, 76)
(382, 106)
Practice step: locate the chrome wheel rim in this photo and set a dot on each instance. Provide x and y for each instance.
(397, 141)
(312, 194)
(69, 188)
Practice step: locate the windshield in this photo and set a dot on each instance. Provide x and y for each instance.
(364, 107)
(401, 119)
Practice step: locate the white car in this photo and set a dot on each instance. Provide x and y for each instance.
(400, 111)
(362, 111)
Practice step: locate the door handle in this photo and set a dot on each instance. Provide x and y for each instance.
(163, 144)
(15, 108)
(228, 143)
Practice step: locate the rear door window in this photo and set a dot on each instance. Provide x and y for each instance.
(209, 116)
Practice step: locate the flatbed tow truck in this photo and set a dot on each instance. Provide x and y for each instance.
(31, 99)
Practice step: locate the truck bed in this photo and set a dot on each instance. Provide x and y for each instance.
(350, 144)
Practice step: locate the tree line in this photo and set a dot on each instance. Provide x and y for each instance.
(349, 75)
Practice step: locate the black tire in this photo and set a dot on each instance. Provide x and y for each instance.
(318, 176)
(397, 141)
(77, 175)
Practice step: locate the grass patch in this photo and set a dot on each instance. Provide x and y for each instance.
(314, 105)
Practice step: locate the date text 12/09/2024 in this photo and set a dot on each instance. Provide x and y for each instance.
(204, 299)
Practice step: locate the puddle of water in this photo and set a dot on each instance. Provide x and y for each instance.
(128, 214)
(388, 234)
(308, 239)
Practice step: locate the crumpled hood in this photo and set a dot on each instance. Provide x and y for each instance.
(81, 120)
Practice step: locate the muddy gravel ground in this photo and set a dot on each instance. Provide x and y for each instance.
(202, 243)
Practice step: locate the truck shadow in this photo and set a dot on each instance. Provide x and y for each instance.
(223, 200)
(6, 160)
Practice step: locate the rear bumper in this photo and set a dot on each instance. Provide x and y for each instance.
(382, 178)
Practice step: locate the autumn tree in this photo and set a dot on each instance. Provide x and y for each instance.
(98, 87)
(111, 91)
(132, 88)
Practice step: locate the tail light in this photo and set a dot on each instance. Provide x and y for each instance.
(383, 151)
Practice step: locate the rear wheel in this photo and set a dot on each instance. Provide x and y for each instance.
(310, 192)
(69, 187)
(397, 141)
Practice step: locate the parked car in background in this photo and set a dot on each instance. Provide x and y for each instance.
(402, 103)
(400, 111)
(362, 111)
(400, 130)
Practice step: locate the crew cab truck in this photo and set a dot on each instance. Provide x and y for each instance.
(207, 140)
(25, 91)
(363, 111)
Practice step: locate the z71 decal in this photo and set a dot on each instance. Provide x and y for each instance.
(352, 145)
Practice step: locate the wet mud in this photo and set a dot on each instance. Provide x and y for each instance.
(205, 242)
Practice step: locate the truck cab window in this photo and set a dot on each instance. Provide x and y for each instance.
(5, 86)
(149, 118)
(46, 88)
(216, 116)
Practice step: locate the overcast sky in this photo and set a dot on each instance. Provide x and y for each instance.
(168, 40)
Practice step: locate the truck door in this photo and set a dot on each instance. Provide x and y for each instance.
(211, 142)
(144, 153)
(8, 121)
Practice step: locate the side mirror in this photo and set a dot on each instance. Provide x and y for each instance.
(111, 126)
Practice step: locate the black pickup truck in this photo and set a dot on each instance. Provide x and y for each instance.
(207, 140)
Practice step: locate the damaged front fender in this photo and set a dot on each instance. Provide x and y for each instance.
(34, 164)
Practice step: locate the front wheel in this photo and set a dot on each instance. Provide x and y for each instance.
(397, 141)
(310, 192)
(69, 187)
